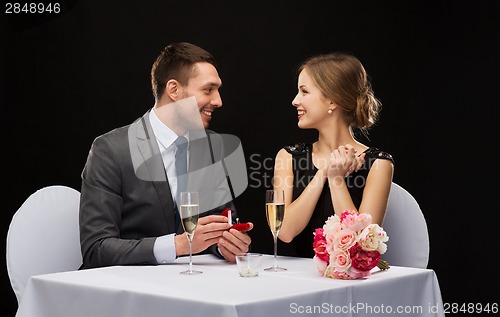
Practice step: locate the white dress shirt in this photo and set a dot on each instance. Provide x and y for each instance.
(164, 247)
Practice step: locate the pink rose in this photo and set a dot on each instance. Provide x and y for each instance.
(352, 274)
(340, 275)
(344, 240)
(357, 274)
(355, 221)
(341, 260)
(347, 216)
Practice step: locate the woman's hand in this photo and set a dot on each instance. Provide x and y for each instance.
(343, 161)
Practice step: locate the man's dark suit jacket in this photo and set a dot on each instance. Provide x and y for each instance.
(126, 202)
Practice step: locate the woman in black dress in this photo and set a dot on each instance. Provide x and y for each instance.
(336, 172)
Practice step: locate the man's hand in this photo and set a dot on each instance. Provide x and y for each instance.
(234, 242)
(208, 231)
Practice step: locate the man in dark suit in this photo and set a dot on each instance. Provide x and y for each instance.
(129, 196)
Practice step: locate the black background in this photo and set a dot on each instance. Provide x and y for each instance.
(69, 77)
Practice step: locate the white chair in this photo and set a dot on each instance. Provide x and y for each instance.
(406, 227)
(43, 236)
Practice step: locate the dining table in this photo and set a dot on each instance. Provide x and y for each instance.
(219, 291)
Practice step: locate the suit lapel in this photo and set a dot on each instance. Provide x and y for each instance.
(151, 155)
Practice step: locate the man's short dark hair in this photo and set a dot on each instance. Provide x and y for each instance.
(175, 62)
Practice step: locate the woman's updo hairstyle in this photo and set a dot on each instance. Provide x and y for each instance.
(342, 78)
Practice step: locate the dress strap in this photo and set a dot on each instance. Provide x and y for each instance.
(298, 148)
(376, 153)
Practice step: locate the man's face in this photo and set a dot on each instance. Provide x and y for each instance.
(204, 86)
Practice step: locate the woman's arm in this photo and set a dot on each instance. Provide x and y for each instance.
(298, 212)
(375, 193)
(377, 188)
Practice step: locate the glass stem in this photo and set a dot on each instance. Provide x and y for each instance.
(190, 256)
(275, 250)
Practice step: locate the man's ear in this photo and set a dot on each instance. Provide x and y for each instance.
(172, 89)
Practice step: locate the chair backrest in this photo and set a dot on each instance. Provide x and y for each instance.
(406, 227)
(43, 236)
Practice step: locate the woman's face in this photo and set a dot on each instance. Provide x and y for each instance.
(312, 106)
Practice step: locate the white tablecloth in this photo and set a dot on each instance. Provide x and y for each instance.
(149, 291)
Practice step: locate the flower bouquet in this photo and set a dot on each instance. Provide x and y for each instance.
(349, 246)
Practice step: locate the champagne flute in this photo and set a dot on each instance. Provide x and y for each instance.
(189, 211)
(275, 210)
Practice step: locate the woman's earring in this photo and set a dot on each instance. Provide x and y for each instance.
(330, 111)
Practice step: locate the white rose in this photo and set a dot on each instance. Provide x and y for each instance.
(372, 238)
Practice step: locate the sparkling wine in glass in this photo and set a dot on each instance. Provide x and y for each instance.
(189, 211)
(275, 210)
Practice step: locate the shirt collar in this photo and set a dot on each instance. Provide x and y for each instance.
(163, 133)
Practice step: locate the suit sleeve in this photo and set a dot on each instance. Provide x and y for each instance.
(101, 206)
